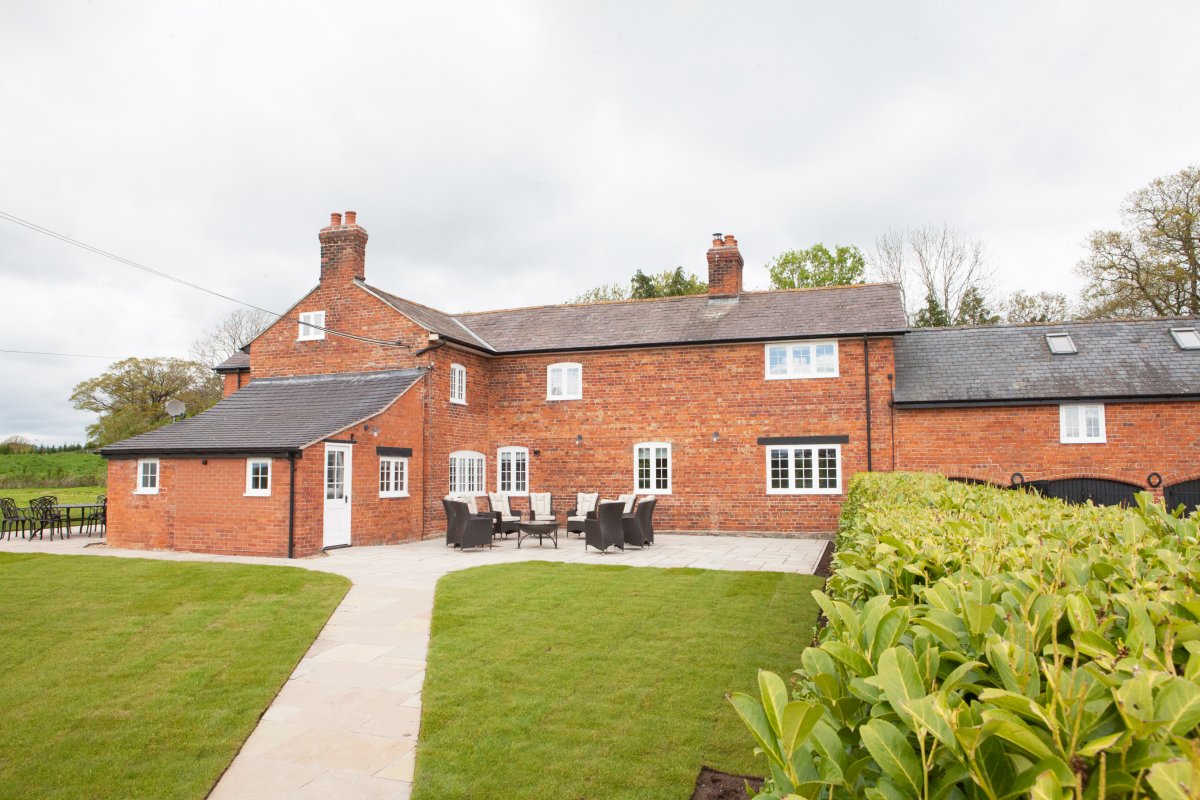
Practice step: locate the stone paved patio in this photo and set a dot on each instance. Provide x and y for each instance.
(345, 724)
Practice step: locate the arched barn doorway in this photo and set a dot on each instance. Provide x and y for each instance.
(1100, 491)
(1186, 493)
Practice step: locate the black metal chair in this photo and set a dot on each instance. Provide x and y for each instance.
(43, 515)
(95, 519)
(637, 527)
(13, 518)
(606, 530)
(466, 529)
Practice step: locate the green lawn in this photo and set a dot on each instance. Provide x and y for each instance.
(72, 494)
(570, 681)
(51, 469)
(134, 678)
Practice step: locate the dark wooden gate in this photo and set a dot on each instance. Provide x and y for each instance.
(1100, 491)
(1186, 493)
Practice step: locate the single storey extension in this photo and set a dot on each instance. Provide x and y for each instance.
(350, 418)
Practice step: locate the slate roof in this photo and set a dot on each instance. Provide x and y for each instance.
(1115, 359)
(238, 361)
(756, 316)
(431, 319)
(275, 415)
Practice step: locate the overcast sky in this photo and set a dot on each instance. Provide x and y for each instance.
(515, 154)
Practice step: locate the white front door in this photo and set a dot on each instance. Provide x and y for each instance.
(337, 494)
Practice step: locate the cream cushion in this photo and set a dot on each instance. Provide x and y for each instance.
(539, 504)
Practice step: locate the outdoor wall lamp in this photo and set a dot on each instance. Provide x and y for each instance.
(537, 452)
(716, 436)
(579, 438)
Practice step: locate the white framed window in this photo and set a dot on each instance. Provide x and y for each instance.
(564, 381)
(458, 384)
(1061, 344)
(1186, 338)
(258, 477)
(512, 470)
(393, 476)
(789, 360)
(467, 472)
(804, 469)
(652, 467)
(312, 326)
(147, 476)
(1081, 424)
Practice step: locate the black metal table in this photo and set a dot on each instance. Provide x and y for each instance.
(539, 529)
(67, 508)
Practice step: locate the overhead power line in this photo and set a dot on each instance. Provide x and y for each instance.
(67, 355)
(167, 276)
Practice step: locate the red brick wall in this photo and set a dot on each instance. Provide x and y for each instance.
(232, 381)
(680, 395)
(993, 443)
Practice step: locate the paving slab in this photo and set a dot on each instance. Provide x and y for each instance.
(345, 725)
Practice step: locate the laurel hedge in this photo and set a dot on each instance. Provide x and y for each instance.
(985, 644)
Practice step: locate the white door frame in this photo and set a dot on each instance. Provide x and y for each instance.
(337, 516)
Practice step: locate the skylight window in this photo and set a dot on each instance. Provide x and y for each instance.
(1186, 338)
(1060, 343)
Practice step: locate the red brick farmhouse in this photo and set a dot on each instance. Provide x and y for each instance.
(348, 420)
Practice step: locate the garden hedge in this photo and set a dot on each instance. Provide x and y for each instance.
(989, 643)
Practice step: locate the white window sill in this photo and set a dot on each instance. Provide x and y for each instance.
(802, 377)
(652, 491)
(1083, 441)
(310, 338)
(803, 491)
(386, 495)
(458, 402)
(258, 494)
(145, 491)
(560, 397)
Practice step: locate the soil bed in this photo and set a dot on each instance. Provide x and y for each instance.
(714, 785)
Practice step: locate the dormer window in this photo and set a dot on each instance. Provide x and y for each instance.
(1061, 344)
(312, 326)
(1186, 338)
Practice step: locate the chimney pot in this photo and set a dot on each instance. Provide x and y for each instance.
(335, 219)
(350, 217)
(724, 267)
(343, 251)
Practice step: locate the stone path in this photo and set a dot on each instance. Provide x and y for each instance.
(345, 724)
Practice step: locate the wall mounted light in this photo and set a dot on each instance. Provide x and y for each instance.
(716, 436)
(579, 438)
(537, 452)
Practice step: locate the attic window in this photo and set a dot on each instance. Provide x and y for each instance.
(1060, 343)
(1186, 338)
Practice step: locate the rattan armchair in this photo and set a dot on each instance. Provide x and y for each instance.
(605, 530)
(464, 529)
(584, 510)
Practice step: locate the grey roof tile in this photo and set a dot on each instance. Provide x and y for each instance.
(833, 311)
(276, 414)
(238, 361)
(1126, 358)
(430, 318)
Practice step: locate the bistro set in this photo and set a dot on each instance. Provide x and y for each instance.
(46, 514)
(625, 522)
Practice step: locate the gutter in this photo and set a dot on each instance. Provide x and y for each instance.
(1048, 401)
(703, 342)
(867, 395)
(291, 504)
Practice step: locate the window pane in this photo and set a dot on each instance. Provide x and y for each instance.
(643, 468)
(801, 359)
(573, 380)
(779, 469)
(520, 483)
(385, 476)
(1071, 422)
(662, 471)
(556, 382)
(505, 472)
(803, 469)
(777, 360)
(827, 468)
(1092, 422)
(453, 475)
(400, 476)
(826, 360)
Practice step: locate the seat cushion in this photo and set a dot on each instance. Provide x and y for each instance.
(576, 519)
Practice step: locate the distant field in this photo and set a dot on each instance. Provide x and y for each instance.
(73, 494)
(51, 470)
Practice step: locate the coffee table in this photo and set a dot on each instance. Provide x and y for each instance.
(539, 529)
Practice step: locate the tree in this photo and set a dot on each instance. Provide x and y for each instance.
(668, 283)
(1023, 307)
(817, 266)
(932, 315)
(933, 261)
(233, 331)
(1152, 267)
(130, 395)
(973, 309)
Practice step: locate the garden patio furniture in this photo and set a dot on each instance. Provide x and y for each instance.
(605, 530)
(541, 507)
(505, 520)
(541, 530)
(43, 514)
(95, 517)
(585, 509)
(13, 518)
(86, 510)
(628, 500)
(637, 527)
(467, 530)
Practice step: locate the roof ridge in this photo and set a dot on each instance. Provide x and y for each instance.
(677, 297)
(1058, 324)
(447, 315)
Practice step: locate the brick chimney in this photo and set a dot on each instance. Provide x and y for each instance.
(724, 268)
(343, 249)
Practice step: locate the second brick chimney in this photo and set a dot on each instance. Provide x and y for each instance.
(724, 268)
(343, 250)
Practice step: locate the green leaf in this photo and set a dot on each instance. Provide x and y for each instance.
(895, 756)
(853, 660)
(799, 718)
(900, 681)
(890, 630)
(1094, 645)
(1178, 704)
(774, 698)
(1093, 748)
(1174, 780)
(755, 718)
(1046, 787)
(1016, 731)
(929, 714)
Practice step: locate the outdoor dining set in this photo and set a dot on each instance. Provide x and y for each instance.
(47, 515)
(625, 522)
